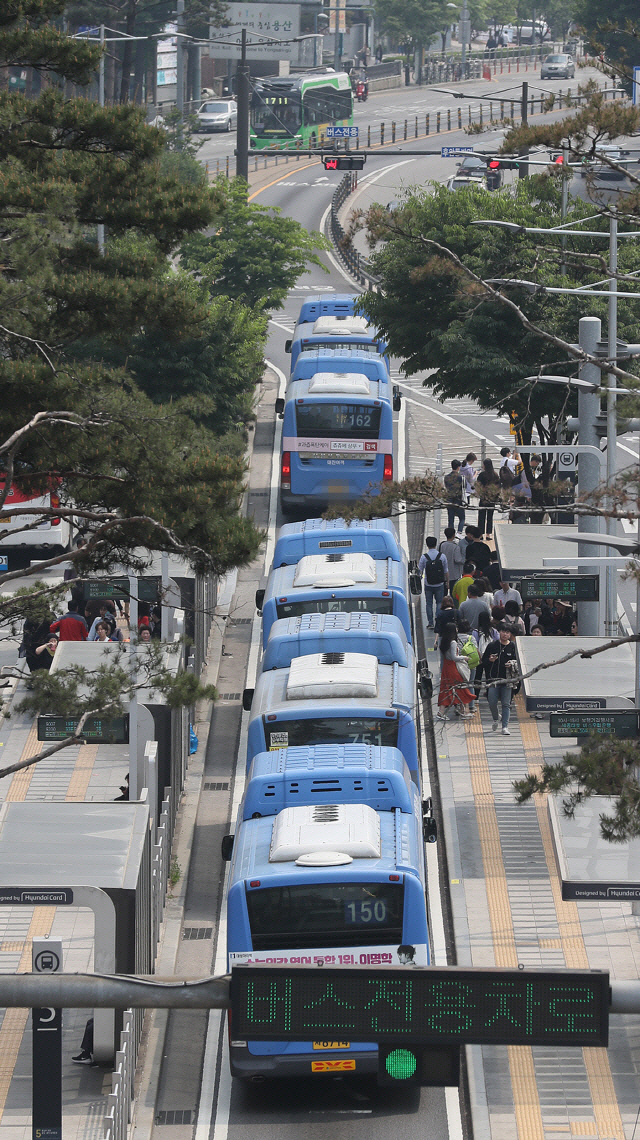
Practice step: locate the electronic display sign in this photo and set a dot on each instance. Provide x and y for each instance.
(583, 588)
(406, 1005)
(117, 589)
(96, 730)
(608, 722)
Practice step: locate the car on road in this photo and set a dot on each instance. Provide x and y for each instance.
(561, 66)
(218, 115)
(465, 181)
(472, 165)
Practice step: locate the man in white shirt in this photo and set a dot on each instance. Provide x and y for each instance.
(505, 594)
(453, 554)
(508, 459)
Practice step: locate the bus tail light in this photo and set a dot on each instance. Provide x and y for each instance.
(388, 469)
(55, 502)
(285, 471)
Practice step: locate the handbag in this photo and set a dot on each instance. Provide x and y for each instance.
(464, 669)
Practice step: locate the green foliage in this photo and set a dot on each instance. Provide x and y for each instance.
(604, 766)
(434, 317)
(415, 22)
(255, 255)
(612, 29)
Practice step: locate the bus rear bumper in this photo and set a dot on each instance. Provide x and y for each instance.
(247, 1067)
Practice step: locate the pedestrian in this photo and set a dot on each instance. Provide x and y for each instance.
(500, 667)
(379, 53)
(512, 617)
(85, 1056)
(469, 649)
(124, 791)
(42, 657)
(453, 554)
(493, 571)
(563, 617)
(507, 460)
(459, 592)
(454, 676)
(103, 632)
(469, 472)
(477, 552)
(505, 594)
(529, 617)
(537, 631)
(488, 489)
(474, 605)
(445, 615)
(145, 633)
(106, 607)
(434, 566)
(484, 635)
(485, 590)
(536, 482)
(455, 487)
(72, 626)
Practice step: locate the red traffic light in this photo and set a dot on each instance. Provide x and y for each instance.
(559, 160)
(331, 164)
(494, 164)
(343, 162)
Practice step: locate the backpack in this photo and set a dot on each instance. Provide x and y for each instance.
(505, 476)
(470, 651)
(434, 571)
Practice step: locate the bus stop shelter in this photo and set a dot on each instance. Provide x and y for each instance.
(589, 867)
(603, 682)
(521, 549)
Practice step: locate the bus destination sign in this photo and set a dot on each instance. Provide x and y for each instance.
(607, 722)
(96, 730)
(421, 1005)
(576, 588)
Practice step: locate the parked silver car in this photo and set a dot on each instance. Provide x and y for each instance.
(558, 67)
(218, 115)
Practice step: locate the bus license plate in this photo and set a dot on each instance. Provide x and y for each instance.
(338, 488)
(331, 1044)
(332, 1066)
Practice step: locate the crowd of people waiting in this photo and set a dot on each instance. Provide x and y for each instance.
(94, 620)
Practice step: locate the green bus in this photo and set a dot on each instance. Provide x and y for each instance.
(295, 110)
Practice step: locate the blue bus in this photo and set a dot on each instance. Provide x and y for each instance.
(311, 361)
(377, 537)
(335, 884)
(337, 440)
(327, 305)
(340, 582)
(334, 698)
(381, 635)
(326, 773)
(336, 332)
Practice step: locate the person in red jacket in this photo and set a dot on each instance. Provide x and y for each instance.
(72, 626)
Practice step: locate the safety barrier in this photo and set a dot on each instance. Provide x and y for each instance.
(120, 1099)
(357, 265)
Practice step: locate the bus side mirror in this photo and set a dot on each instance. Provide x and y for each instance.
(413, 566)
(226, 847)
(247, 698)
(415, 584)
(425, 683)
(280, 406)
(259, 600)
(287, 345)
(397, 398)
(430, 830)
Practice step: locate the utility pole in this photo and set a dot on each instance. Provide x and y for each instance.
(101, 102)
(612, 349)
(464, 20)
(242, 137)
(179, 58)
(588, 465)
(523, 168)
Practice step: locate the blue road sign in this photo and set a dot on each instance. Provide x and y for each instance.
(452, 151)
(342, 132)
(4, 562)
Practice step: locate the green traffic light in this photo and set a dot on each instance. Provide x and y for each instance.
(401, 1064)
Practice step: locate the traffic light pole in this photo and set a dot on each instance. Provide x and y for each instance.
(242, 137)
(523, 169)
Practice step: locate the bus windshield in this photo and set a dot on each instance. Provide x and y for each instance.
(326, 914)
(277, 115)
(334, 421)
(335, 606)
(376, 731)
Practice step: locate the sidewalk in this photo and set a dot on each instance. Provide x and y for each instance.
(508, 910)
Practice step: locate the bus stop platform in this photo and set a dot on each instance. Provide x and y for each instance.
(606, 681)
(522, 549)
(508, 909)
(589, 867)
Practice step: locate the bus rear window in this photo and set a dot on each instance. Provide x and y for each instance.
(326, 914)
(338, 421)
(335, 606)
(382, 732)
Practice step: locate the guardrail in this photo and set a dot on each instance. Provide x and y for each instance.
(357, 265)
(120, 1099)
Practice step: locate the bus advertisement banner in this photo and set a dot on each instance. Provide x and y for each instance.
(306, 444)
(335, 956)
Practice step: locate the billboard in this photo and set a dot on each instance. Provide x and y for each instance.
(272, 20)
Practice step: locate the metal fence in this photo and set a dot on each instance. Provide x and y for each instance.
(357, 265)
(120, 1099)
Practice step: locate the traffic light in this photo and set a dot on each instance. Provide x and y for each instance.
(435, 1065)
(344, 161)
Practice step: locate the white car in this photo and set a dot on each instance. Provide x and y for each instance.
(463, 182)
(218, 115)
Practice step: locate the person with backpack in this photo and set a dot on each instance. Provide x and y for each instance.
(435, 568)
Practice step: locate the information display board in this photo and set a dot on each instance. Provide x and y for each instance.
(580, 588)
(96, 730)
(609, 722)
(117, 589)
(420, 1004)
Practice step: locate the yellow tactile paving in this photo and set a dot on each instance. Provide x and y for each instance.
(605, 1106)
(8, 947)
(21, 780)
(81, 774)
(526, 1101)
(15, 1020)
(583, 1128)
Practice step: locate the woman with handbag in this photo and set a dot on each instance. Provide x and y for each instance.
(454, 676)
(501, 674)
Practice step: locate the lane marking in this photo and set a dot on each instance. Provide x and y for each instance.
(596, 1061)
(444, 416)
(280, 179)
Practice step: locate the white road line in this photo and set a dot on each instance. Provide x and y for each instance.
(286, 328)
(216, 1024)
(355, 288)
(428, 408)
